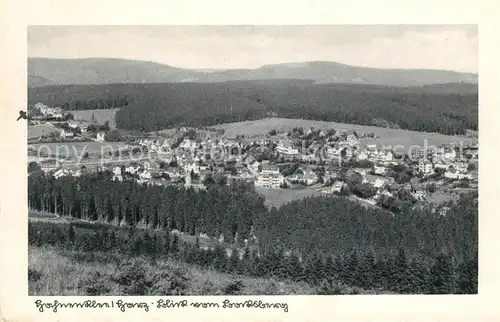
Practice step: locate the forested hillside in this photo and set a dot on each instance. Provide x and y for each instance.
(448, 109)
(416, 251)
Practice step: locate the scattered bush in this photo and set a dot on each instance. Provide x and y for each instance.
(95, 284)
(33, 275)
(233, 288)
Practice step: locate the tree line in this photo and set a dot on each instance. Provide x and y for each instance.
(313, 230)
(362, 268)
(152, 107)
(96, 104)
(222, 209)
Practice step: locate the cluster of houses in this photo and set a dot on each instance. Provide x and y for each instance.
(69, 130)
(45, 111)
(188, 161)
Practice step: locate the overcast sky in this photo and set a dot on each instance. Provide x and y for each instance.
(219, 47)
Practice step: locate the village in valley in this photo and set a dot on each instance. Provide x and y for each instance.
(300, 161)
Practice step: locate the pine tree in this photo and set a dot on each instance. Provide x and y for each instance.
(369, 270)
(129, 218)
(246, 263)
(418, 276)
(219, 258)
(401, 272)
(136, 244)
(104, 240)
(71, 235)
(318, 269)
(233, 263)
(174, 246)
(112, 240)
(293, 267)
(148, 246)
(165, 245)
(468, 276)
(352, 268)
(92, 211)
(110, 216)
(442, 273)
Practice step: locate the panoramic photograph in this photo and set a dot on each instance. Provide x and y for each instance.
(252, 160)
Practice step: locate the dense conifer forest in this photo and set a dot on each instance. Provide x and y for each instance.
(151, 107)
(317, 240)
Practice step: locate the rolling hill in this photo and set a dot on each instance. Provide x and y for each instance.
(332, 72)
(105, 71)
(35, 81)
(110, 70)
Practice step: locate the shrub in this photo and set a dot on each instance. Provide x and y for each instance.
(95, 284)
(132, 277)
(331, 286)
(170, 282)
(233, 288)
(33, 275)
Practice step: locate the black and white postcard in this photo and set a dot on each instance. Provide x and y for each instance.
(238, 168)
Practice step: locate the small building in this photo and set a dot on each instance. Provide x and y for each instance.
(419, 194)
(417, 154)
(451, 174)
(375, 181)
(66, 135)
(269, 180)
(425, 166)
(60, 173)
(100, 136)
(269, 169)
(351, 138)
(83, 128)
(285, 147)
(309, 178)
(49, 165)
(444, 210)
(362, 156)
(336, 187)
(380, 170)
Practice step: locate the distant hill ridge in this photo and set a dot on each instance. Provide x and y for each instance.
(49, 71)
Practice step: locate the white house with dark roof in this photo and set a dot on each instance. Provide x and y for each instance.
(451, 173)
(425, 166)
(336, 187)
(270, 169)
(375, 181)
(100, 136)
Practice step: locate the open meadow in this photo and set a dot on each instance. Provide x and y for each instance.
(278, 197)
(101, 116)
(36, 131)
(385, 136)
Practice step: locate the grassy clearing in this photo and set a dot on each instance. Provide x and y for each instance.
(385, 136)
(55, 272)
(278, 197)
(33, 214)
(36, 131)
(438, 198)
(101, 116)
